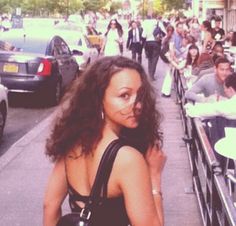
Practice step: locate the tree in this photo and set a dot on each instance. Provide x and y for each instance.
(161, 6)
(115, 6)
(93, 5)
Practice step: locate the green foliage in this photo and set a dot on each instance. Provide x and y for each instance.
(160, 6)
(93, 5)
(115, 7)
(41, 7)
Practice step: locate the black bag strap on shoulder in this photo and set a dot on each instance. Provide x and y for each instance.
(105, 168)
(98, 191)
(99, 188)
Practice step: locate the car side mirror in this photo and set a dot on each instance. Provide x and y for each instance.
(77, 52)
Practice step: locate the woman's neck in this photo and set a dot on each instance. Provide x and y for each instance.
(111, 130)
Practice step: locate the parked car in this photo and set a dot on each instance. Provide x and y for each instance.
(33, 63)
(95, 37)
(79, 44)
(3, 108)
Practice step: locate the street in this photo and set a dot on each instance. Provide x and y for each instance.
(24, 113)
(24, 168)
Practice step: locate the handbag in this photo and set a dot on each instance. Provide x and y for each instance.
(163, 52)
(98, 191)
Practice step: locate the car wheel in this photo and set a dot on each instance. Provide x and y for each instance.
(2, 118)
(56, 93)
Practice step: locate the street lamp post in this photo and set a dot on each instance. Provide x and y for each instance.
(143, 9)
(67, 9)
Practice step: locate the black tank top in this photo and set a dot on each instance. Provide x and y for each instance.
(110, 212)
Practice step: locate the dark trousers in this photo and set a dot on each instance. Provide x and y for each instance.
(152, 50)
(136, 50)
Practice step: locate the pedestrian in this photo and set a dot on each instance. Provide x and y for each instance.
(208, 40)
(218, 32)
(177, 40)
(152, 44)
(166, 58)
(113, 40)
(112, 100)
(135, 41)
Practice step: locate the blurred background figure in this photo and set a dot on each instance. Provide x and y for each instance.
(208, 40)
(113, 39)
(135, 41)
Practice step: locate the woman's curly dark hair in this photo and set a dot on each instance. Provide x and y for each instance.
(79, 120)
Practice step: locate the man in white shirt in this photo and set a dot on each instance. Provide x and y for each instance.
(135, 41)
(152, 45)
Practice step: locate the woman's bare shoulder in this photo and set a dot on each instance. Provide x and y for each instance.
(128, 155)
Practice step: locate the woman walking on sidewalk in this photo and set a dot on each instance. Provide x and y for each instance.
(112, 100)
(113, 40)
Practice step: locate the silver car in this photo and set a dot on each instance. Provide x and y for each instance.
(78, 43)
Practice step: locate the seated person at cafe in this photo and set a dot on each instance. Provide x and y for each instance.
(217, 51)
(225, 107)
(205, 65)
(208, 86)
(217, 115)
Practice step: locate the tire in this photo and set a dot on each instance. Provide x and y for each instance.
(56, 93)
(2, 119)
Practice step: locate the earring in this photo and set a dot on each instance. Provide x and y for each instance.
(102, 115)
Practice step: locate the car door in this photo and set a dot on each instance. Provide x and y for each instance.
(67, 64)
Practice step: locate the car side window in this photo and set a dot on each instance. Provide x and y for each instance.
(64, 48)
(60, 48)
(56, 48)
(79, 42)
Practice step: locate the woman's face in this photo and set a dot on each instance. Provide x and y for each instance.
(193, 52)
(119, 99)
(203, 28)
(113, 24)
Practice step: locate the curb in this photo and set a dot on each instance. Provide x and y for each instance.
(19, 146)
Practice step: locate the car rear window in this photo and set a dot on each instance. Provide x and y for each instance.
(23, 44)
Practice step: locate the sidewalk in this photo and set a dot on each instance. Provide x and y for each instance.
(24, 171)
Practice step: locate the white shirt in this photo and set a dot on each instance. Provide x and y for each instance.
(225, 108)
(136, 36)
(148, 28)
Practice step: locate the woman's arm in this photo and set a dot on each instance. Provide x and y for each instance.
(135, 184)
(55, 194)
(156, 161)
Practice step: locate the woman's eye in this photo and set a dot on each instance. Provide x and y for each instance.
(125, 96)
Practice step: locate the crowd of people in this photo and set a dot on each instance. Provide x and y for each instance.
(114, 99)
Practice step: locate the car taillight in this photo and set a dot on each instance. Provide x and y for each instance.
(45, 68)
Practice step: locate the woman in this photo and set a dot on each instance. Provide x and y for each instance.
(208, 41)
(166, 56)
(205, 65)
(192, 56)
(195, 29)
(113, 40)
(217, 51)
(112, 99)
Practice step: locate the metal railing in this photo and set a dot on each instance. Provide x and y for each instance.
(214, 194)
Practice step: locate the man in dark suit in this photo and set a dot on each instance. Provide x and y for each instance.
(135, 41)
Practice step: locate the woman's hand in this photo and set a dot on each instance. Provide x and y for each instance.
(156, 160)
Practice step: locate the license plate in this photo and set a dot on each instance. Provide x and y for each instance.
(9, 67)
